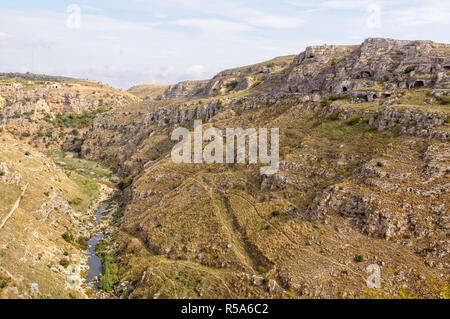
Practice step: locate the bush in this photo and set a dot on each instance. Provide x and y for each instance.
(271, 65)
(276, 213)
(231, 86)
(359, 258)
(67, 237)
(2, 173)
(27, 153)
(333, 97)
(379, 164)
(334, 62)
(335, 116)
(110, 273)
(83, 243)
(354, 120)
(64, 262)
(256, 83)
(126, 182)
(409, 69)
(445, 100)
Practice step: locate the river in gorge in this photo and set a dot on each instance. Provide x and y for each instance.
(94, 262)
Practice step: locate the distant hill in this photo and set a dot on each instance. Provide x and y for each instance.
(149, 91)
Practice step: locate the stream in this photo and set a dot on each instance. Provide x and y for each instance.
(94, 262)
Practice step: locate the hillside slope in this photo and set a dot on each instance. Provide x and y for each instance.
(148, 91)
(41, 202)
(363, 180)
(54, 111)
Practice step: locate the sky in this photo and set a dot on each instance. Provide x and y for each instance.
(123, 43)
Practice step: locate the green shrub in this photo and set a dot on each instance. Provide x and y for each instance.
(271, 64)
(334, 62)
(409, 69)
(64, 262)
(445, 100)
(67, 237)
(354, 120)
(333, 97)
(83, 243)
(126, 182)
(2, 173)
(359, 258)
(256, 83)
(27, 153)
(335, 115)
(379, 164)
(77, 120)
(231, 86)
(110, 273)
(276, 213)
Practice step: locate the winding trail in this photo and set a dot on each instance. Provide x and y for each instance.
(15, 206)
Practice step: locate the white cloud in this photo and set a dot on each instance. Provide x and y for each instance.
(6, 40)
(432, 12)
(196, 71)
(236, 12)
(103, 23)
(213, 25)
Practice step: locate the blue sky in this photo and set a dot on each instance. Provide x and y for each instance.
(128, 42)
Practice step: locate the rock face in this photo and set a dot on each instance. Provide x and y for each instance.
(340, 69)
(232, 80)
(184, 90)
(35, 108)
(7, 176)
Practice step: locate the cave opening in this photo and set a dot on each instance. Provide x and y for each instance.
(418, 84)
(366, 74)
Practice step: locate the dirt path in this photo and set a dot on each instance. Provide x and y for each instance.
(15, 206)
